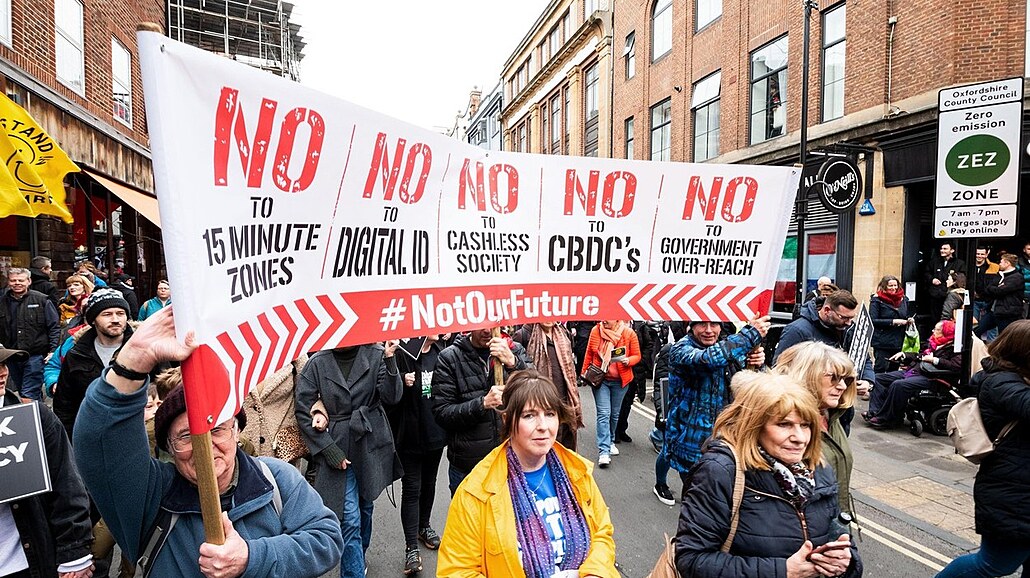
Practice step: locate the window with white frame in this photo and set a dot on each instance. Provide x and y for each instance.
(5, 23)
(630, 55)
(557, 129)
(705, 104)
(769, 91)
(661, 131)
(706, 11)
(661, 29)
(589, 6)
(590, 109)
(629, 137)
(555, 40)
(834, 44)
(121, 83)
(68, 44)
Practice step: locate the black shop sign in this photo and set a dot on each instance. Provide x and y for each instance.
(839, 184)
(23, 464)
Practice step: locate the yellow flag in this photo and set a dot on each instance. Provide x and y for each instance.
(33, 170)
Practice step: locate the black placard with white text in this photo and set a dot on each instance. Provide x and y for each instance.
(23, 464)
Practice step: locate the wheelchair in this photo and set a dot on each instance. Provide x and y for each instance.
(929, 408)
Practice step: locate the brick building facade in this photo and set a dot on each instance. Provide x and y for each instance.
(72, 65)
(720, 81)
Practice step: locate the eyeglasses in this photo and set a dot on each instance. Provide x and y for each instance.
(844, 318)
(837, 379)
(219, 434)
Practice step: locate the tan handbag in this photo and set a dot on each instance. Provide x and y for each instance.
(665, 567)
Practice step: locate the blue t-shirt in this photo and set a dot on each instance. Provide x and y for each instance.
(541, 485)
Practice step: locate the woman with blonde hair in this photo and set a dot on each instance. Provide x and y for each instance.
(530, 507)
(788, 505)
(829, 375)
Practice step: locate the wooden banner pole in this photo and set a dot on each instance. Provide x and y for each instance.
(207, 485)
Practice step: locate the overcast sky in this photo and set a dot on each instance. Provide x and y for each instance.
(414, 60)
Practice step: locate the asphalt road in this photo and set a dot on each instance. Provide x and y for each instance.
(892, 543)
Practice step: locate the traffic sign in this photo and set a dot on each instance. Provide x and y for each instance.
(978, 153)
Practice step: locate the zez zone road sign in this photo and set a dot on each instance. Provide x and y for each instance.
(23, 463)
(978, 153)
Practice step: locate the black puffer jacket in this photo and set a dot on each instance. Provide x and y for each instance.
(770, 529)
(1002, 488)
(461, 379)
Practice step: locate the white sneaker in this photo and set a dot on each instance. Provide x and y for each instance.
(614, 450)
(604, 460)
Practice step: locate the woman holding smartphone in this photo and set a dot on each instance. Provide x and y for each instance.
(788, 519)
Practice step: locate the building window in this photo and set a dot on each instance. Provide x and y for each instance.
(68, 44)
(522, 136)
(121, 83)
(769, 91)
(630, 55)
(589, 6)
(554, 40)
(661, 131)
(834, 44)
(556, 124)
(590, 109)
(705, 104)
(567, 25)
(661, 29)
(706, 12)
(5, 22)
(629, 137)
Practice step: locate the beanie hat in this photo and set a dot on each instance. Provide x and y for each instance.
(173, 405)
(102, 299)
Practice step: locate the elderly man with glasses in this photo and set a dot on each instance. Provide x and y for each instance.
(828, 320)
(275, 524)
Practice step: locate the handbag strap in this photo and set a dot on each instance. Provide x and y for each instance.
(738, 497)
(1005, 431)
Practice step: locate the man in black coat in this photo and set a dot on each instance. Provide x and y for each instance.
(937, 272)
(29, 322)
(125, 284)
(107, 315)
(41, 268)
(465, 397)
(1006, 297)
(47, 534)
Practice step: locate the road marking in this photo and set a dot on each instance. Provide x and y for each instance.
(904, 540)
(890, 544)
(643, 410)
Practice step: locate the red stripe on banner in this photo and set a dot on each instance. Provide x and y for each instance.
(735, 303)
(761, 303)
(312, 321)
(695, 303)
(255, 354)
(638, 299)
(714, 303)
(291, 333)
(273, 338)
(675, 302)
(234, 354)
(206, 385)
(661, 295)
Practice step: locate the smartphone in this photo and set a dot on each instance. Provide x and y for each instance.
(827, 547)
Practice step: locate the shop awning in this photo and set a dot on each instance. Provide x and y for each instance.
(143, 203)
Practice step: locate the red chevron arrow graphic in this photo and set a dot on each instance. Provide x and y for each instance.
(735, 303)
(334, 325)
(713, 302)
(697, 300)
(234, 354)
(312, 321)
(255, 348)
(291, 333)
(273, 342)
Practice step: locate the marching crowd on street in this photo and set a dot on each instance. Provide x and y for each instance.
(758, 435)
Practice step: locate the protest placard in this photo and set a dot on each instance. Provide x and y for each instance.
(294, 221)
(861, 339)
(23, 462)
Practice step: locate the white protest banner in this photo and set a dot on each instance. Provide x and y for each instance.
(294, 221)
(23, 460)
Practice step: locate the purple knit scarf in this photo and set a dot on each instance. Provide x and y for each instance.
(537, 554)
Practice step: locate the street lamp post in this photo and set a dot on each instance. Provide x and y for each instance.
(801, 204)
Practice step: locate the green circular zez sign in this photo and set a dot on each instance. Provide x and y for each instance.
(977, 160)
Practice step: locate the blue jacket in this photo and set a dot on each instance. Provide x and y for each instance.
(699, 387)
(809, 327)
(770, 529)
(129, 487)
(152, 306)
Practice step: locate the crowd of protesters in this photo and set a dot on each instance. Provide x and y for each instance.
(315, 444)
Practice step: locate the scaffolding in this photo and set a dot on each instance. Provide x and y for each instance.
(255, 32)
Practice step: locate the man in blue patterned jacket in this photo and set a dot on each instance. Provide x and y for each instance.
(700, 368)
